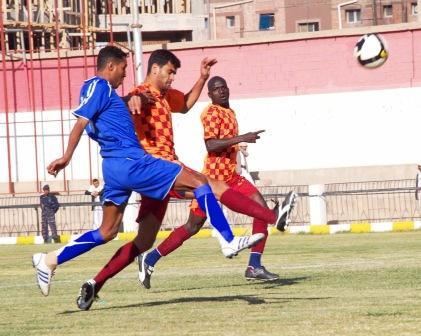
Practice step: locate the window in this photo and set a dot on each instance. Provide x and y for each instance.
(230, 20)
(308, 27)
(388, 11)
(414, 8)
(353, 15)
(267, 21)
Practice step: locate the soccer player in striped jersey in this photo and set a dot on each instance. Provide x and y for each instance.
(221, 138)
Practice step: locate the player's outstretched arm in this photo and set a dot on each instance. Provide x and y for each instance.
(193, 95)
(74, 137)
(218, 145)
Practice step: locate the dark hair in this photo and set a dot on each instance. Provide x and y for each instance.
(162, 57)
(95, 180)
(109, 53)
(214, 79)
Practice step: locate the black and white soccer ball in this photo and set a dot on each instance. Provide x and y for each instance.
(371, 51)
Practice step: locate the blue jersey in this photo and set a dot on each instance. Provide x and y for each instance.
(126, 166)
(110, 123)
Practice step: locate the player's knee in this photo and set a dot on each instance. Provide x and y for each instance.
(198, 179)
(218, 187)
(193, 228)
(143, 243)
(194, 223)
(109, 233)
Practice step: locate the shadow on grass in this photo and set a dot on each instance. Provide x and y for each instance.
(280, 282)
(250, 299)
(265, 284)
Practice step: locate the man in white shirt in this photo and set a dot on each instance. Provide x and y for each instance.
(242, 166)
(95, 190)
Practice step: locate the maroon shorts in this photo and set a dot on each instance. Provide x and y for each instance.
(237, 183)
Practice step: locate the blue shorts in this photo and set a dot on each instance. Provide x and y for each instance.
(148, 176)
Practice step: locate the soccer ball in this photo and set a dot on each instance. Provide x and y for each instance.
(371, 51)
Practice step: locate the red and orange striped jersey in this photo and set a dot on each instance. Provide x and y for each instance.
(220, 123)
(154, 124)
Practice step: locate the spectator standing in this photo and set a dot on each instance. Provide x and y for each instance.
(49, 207)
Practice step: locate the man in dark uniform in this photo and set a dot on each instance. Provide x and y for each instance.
(49, 207)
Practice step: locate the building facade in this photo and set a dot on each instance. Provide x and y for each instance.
(258, 17)
(81, 24)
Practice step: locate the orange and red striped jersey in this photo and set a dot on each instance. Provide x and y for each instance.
(154, 124)
(220, 123)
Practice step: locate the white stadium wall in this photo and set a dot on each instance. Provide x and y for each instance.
(363, 128)
(320, 109)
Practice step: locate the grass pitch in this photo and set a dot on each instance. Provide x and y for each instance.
(345, 284)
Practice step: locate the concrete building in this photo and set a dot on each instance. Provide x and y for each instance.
(261, 17)
(73, 24)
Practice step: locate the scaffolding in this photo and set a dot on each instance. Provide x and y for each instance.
(71, 24)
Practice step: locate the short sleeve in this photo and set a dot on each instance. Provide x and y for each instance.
(176, 100)
(211, 123)
(93, 99)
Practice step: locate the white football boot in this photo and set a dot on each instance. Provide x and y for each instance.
(43, 273)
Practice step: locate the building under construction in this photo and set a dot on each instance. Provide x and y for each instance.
(73, 24)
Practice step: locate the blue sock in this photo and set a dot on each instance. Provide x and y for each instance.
(255, 259)
(209, 205)
(83, 244)
(152, 257)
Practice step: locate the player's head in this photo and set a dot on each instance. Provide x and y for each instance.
(218, 91)
(242, 146)
(46, 189)
(162, 68)
(112, 64)
(95, 182)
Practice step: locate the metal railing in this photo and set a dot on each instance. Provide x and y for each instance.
(345, 203)
(372, 201)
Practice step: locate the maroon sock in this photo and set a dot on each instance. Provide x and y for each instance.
(174, 241)
(123, 257)
(260, 227)
(242, 204)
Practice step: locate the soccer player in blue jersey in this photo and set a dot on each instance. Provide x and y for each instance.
(126, 168)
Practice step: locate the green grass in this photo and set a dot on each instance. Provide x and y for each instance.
(346, 284)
